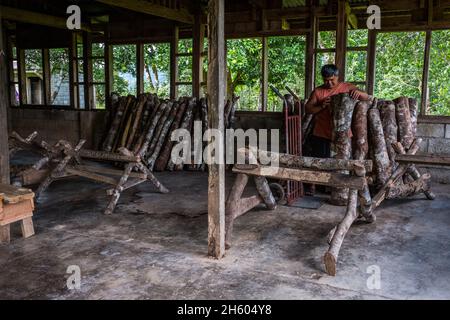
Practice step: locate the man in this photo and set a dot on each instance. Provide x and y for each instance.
(319, 105)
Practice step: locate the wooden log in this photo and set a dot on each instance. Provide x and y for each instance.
(119, 188)
(343, 106)
(165, 155)
(136, 121)
(429, 159)
(331, 179)
(396, 175)
(161, 109)
(162, 137)
(413, 111)
(237, 206)
(331, 256)
(390, 128)
(232, 118)
(90, 175)
(420, 185)
(205, 124)
(405, 130)
(107, 156)
(293, 161)
(265, 193)
(360, 151)
(123, 122)
(185, 124)
(413, 172)
(110, 137)
(109, 171)
(382, 165)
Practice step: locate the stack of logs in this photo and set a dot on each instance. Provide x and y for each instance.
(381, 130)
(147, 123)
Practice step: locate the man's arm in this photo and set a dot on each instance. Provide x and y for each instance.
(357, 94)
(312, 106)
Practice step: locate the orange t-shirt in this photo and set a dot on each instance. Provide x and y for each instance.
(323, 126)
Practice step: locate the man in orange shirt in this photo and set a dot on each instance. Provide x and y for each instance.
(319, 105)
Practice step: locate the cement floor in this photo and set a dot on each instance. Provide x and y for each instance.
(154, 247)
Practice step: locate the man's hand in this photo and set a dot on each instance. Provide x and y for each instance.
(356, 94)
(326, 103)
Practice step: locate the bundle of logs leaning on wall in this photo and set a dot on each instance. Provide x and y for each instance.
(379, 131)
(147, 123)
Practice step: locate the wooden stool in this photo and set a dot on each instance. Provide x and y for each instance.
(16, 204)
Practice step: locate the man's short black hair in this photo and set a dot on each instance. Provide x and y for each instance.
(329, 70)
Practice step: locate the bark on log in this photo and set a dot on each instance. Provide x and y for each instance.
(413, 110)
(136, 121)
(382, 165)
(404, 122)
(390, 129)
(410, 189)
(343, 106)
(151, 129)
(232, 119)
(164, 157)
(110, 138)
(162, 137)
(331, 256)
(264, 191)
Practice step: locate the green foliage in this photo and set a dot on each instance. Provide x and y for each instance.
(157, 68)
(124, 68)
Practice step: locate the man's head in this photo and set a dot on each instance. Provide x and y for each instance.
(330, 75)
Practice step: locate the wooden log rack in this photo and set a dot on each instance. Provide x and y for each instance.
(71, 165)
(324, 173)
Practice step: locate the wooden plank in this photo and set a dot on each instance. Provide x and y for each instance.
(429, 159)
(31, 17)
(73, 77)
(265, 74)
(142, 6)
(47, 75)
(108, 74)
(4, 104)
(140, 68)
(106, 156)
(27, 227)
(307, 176)
(310, 57)
(91, 175)
(341, 39)
(371, 56)
(425, 74)
(88, 72)
(216, 95)
(12, 194)
(114, 172)
(174, 63)
(17, 211)
(5, 234)
(197, 64)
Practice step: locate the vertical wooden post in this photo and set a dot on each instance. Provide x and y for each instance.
(140, 67)
(425, 74)
(108, 74)
(174, 63)
(47, 76)
(265, 74)
(341, 39)
(197, 63)
(74, 98)
(216, 98)
(87, 71)
(22, 76)
(371, 65)
(310, 56)
(4, 105)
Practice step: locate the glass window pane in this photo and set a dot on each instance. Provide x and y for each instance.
(358, 38)
(99, 96)
(439, 78)
(355, 68)
(244, 67)
(326, 40)
(185, 91)
(98, 70)
(34, 76)
(14, 73)
(184, 69)
(59, 76)
(322, 59)
(286, 67)
(14, 94)
(124, 69)
(185, 46)
(98, 49)
(157, 69)
(81, 96)
(399, 61)
(79, 50)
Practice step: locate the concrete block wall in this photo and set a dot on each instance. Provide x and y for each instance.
(53, 125)
(436, 140)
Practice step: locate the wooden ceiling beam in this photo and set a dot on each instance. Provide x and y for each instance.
(142, 6)
(31, 17)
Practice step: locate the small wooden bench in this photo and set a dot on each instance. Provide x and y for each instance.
(16, 204)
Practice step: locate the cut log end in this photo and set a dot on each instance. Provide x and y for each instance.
(330, 264)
